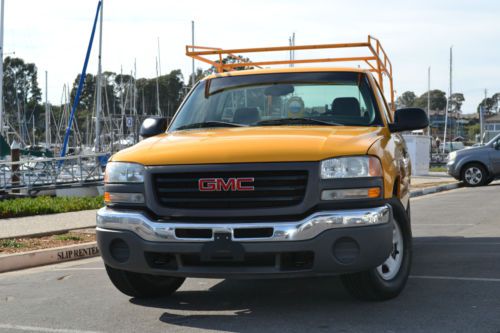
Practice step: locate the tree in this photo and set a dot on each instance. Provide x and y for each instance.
(456, 102)
(199, 74)
(170, 86)
(438, 100)
(407, 99)
(487, 103)
(21, 91)
(496, 100)
(88, 92)
(472, 130)
(230, 60)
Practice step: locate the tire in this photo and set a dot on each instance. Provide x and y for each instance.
(143, 285)
(382, 283)
(474, 174)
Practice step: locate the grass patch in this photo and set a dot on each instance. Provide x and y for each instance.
(67, 237)
(11, 244)
(438, 169)
(47, 205)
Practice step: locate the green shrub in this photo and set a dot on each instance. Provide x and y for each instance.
(47, 205)
(67, 237)
(10, 243)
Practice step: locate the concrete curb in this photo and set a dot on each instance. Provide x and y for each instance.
(16, 261)
(435, 189)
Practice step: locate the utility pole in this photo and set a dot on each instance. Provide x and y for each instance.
(158, 110)
(99, 89)
(448, 101)
(429, 99)
(451, 83)
(159, 57)
(193, 74)
(1, 65)
(481, 116)
(291, 42)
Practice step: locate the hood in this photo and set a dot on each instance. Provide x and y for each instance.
(472, 150)
(251, 144)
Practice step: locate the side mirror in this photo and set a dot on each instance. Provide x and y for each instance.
(496, 145)
(409, 119)
(153, 126)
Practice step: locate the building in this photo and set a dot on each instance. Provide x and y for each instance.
(491, 126)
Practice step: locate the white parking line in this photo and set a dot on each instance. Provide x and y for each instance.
(80, 269)
(443, 224)
(444, 242)
(456, 278)
(41, 329)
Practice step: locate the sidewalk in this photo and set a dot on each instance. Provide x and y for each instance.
(45, 224)
(431, 180)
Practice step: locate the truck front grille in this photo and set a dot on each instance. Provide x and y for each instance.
(270, 189)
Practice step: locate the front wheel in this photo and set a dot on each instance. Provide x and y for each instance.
(143, 285)
(389, 279)
(474, 175)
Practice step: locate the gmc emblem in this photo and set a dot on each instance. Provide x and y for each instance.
(231, 184)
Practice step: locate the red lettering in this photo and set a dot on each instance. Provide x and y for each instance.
(231, 184)
(207, 184)
(241, 187)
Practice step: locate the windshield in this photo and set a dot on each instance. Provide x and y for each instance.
(321, 99)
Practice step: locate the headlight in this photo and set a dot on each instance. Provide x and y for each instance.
(452, 156)
(351, 167)
(119, 172)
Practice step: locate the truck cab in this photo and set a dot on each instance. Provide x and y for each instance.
(283, 172)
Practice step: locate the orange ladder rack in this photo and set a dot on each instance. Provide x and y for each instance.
(378, 62)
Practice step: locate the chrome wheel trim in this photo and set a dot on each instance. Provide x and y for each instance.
(390, 268)
(473, 175)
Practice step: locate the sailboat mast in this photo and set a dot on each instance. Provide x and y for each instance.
(1, 65)
(47, 113)
(193, 74)
(99, 88)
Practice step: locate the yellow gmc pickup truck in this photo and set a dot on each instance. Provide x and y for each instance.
(268, 172)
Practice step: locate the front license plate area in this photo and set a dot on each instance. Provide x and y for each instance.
(222, 249)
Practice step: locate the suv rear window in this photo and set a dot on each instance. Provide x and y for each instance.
(324, 98)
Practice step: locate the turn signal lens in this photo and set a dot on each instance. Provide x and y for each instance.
(374, 192)
(352, 193)
(133, 198)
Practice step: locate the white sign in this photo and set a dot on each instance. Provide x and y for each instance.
(130, 121)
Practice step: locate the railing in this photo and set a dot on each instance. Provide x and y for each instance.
(41, 173)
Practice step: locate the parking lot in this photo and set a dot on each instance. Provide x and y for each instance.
(454, 287)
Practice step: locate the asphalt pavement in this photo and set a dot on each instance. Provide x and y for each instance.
(454, 287)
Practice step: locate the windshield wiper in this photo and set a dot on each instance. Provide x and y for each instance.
(295, 121)
(206, 124)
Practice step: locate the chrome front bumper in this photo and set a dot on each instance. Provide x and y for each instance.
(308, 228)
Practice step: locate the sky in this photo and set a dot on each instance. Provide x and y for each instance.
(54, 34)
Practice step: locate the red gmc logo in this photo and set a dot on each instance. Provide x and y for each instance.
(231, 184)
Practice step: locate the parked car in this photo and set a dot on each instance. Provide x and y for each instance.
(476, 166)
